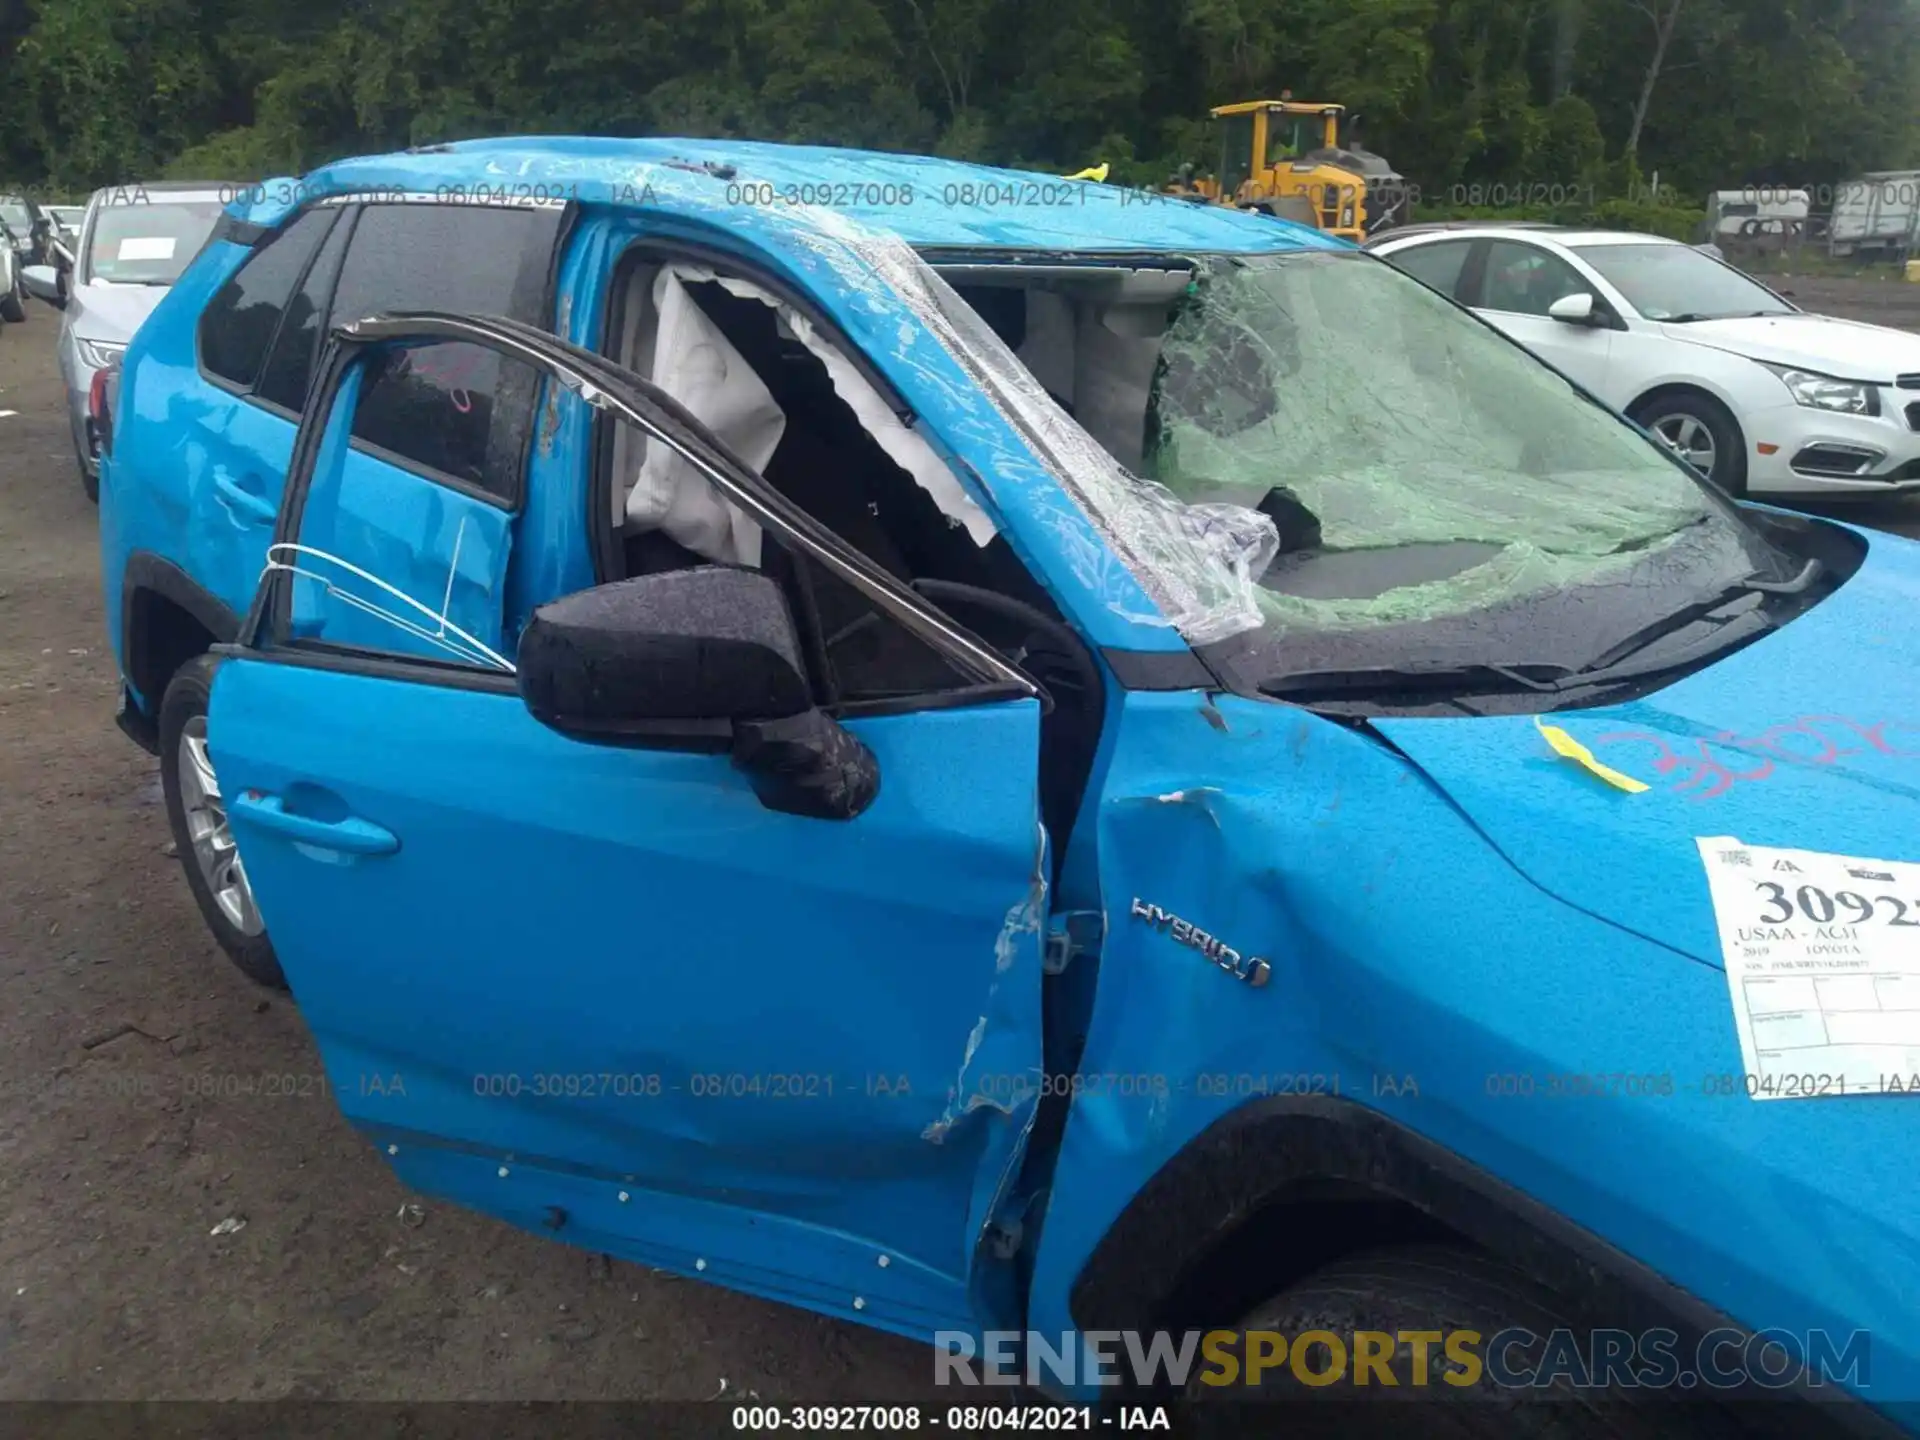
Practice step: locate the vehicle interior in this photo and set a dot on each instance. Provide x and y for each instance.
(795, 401)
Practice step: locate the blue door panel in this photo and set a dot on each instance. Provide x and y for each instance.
(235, 465)
(618, 964)
(416, 535)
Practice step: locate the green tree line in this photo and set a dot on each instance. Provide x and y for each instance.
(1708, 93)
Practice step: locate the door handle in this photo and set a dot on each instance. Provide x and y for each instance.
(351, 836)
(243, 502)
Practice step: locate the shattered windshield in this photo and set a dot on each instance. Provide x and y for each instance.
(1418, 467)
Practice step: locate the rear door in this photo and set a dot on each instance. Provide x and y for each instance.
(603, 990)
(1441, 264)
(260, 336)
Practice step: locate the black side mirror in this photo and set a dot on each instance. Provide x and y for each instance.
(634, 660)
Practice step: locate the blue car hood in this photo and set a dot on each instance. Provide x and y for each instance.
(1808, 738)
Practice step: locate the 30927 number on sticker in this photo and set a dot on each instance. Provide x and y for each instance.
(1848, 906)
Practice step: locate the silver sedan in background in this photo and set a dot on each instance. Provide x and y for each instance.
(13, 289)
(134, 242)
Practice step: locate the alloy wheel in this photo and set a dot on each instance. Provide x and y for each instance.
(1689, 438)
(214, 851)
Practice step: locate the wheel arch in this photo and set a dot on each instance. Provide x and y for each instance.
(166, 618)
(1309, 1150)
(1690, 386)
(1280, 1187)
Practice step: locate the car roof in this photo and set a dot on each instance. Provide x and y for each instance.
(928, 202)
(1421, 227)
(1453, 227)
(1525, 230)
(141, 192)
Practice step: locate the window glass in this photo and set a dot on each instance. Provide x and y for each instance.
(467, 259)
(1526, 280)
(1437, 265)
(460, 410)
(393, 561)
(1677, 283)
(289, 368)
(148, 241)
(1291, 136)
(238, 323)
(1430, 473)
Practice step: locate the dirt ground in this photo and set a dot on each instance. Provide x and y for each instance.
(127, 1045)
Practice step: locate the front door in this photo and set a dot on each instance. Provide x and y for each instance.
(1518, 283)
(605, 991)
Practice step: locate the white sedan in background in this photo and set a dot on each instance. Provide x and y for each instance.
(1759, 396)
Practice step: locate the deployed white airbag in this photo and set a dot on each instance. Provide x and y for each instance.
(693, 362)
(698, 366)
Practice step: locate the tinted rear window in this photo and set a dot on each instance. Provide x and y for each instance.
(290, 367)
(464, 258)
(239, 322)
(455, 410)
(458, 410)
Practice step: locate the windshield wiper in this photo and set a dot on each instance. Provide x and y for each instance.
(1372, 680)
(1701, 609)
(1551, 678)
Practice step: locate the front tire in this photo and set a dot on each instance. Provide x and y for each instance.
(1406, 1289)
(13, 305)
(197, 816)
(1702, 432)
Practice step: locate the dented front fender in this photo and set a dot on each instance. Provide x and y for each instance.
(1415, 972)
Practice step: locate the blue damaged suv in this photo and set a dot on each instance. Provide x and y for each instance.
(979, 753)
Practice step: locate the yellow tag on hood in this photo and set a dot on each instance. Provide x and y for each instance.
(1569, 748)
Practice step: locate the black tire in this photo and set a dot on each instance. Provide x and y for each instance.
(13, 305)
(184, 707)
(1677, 407)
(1437, 1287)
(89, 478)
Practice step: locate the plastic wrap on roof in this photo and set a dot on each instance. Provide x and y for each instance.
(1198, 563)
(906, 447)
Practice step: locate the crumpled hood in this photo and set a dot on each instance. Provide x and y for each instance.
(1845, 348)
(113, 312)
(1808, 738)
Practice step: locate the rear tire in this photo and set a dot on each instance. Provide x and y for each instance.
(89, 478)
(1686, 421)
(196, 814)
(13, 305)
(1434, 1287)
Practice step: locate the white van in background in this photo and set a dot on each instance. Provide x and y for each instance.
(1876, 215)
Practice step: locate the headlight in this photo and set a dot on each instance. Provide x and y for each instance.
(1823, 392)
(1346, 216)
(98, 354)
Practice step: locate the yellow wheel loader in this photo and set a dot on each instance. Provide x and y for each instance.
(1290, 158)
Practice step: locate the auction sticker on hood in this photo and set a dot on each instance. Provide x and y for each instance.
(1823, 963)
